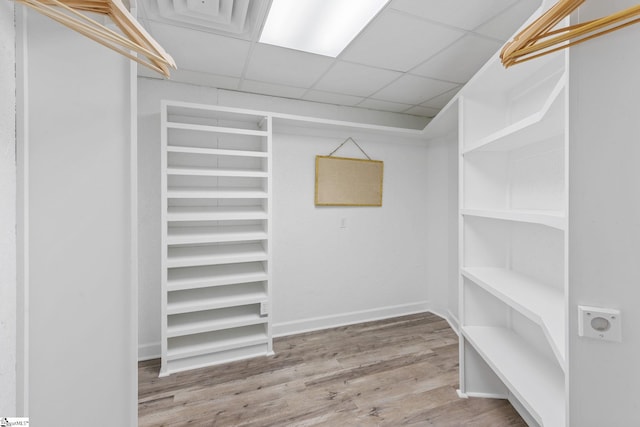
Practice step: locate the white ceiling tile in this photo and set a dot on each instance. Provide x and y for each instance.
(466, 14)
(272, 89)
(278, 65)
(376, 104)
(397, 41)
(204, 79)
(505, 25)
(441, 100)
(200, 51)
(332, 98)
(413, 90)
(419, 110)
(460, 61)
(355, 79)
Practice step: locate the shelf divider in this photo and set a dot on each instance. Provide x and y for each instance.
(536, 382)
(539, 302)
(553, 219)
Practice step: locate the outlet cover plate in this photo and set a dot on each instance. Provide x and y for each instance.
(600, 323)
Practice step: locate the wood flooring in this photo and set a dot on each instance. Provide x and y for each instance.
(394, 372)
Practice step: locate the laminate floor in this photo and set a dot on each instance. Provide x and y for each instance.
(399, 371)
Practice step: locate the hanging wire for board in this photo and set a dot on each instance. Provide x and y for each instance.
(344, 142)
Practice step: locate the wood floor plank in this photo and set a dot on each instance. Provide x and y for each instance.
(400, 371)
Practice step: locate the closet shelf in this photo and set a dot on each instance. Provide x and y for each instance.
(203, 345)
(199, 322)
(215, 213)
(516, 363)
(216, 151)
(216, 193)
(207, 171)
(216, 129)
(538, 302)
(212, 298)
(216, 234)
(539, 126)
(553, 219)
(216, 189)
(192, 256)
(224, 275)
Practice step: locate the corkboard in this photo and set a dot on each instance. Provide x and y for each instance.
(343, 181)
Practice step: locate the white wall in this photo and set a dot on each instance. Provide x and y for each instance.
(452, 238)
(441, 257)
(81, 330)
(604, 220)
(323, 275)
(7, 211)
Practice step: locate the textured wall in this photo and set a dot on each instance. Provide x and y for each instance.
(7, 211)
(604, 220)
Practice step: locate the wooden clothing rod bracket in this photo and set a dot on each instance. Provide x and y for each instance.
(133, 40)
(539, 38)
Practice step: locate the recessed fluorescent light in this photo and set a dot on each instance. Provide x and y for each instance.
(324, 27)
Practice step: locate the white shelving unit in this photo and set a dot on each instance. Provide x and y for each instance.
(216, 210)
(512, 130)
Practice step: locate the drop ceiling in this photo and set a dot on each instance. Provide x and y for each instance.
(412, 58)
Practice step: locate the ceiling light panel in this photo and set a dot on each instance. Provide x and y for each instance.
(324, 27)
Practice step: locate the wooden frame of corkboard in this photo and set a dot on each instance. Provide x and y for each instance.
(342, 181)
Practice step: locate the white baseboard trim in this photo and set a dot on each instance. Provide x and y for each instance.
(447, 315)
(149, 351)
(486, 395)
(333, 321)
(520, 409)
(453, 322)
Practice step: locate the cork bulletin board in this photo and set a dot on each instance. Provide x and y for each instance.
(342, 181)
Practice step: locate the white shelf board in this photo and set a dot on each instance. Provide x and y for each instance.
(216, 193)
(199, 322)
(211, 359)
(211, 298)
(553, 219)
(207, 171)
(200, 346)
(493, 79)
(214, 213)
(216, 151)
(192, 109)
(536, 382)
(216, 129)
(305, 121)
(218, 234)
(539, 126)
(192, 256)
(223, 275)
(538, 302)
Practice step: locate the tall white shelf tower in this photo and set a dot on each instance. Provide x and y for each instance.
(216, 211)
(513, 140)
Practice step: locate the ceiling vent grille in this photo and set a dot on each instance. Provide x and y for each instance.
(237, 18)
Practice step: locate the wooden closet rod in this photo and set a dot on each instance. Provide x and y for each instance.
(133, 40)
(538, 38)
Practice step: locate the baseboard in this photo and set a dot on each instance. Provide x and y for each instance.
(149, 351)
(152, 350)
(520, 409)
(483, 395)
(325, 322)
(447, 315)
